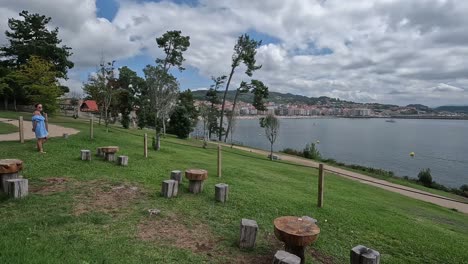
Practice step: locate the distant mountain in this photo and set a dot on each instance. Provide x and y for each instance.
(288, 98)
(420, 107)
(453, 109)
(277, 98)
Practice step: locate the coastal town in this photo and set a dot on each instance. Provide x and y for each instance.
(341, 109)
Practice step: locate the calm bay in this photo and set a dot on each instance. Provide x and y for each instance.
(441, 145)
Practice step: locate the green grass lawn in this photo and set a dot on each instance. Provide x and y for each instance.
(97, 216)
(6, 128)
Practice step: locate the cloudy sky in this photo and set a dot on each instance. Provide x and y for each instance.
(390, 51)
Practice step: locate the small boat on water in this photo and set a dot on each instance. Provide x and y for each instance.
(390, 121)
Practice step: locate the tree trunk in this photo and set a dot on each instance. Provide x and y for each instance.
(232, 114)
(5, 102)
(271, 151)
(220, 136)
(164, 126)
(14, 103)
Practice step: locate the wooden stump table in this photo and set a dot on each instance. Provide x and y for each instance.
(196, 178)
(9, 169)
(296, 233)
(109, 152)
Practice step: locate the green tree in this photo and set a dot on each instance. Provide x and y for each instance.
(214, 100)
(244, 51)
(185, 115)
(103, 88)
(30, 36)
(162, 85)
(271, 125)
(5, 89)
(130, 86)
(38, 77)
(260, 92)
(425, 177)
(311, 152)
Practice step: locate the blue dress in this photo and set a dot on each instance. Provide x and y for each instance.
(41, 131)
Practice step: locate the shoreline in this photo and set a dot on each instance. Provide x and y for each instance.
(358, 117)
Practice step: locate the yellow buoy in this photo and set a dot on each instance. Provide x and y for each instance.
(412, 154)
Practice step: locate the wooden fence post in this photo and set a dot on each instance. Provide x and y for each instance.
(21, 129)
(145, 152)
(219, 160)
(91, 128)
(320, 186)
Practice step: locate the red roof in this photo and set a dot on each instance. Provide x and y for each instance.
(89, 106)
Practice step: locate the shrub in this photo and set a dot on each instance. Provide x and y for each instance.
(425, 177)
(311, 152)
(293, 152)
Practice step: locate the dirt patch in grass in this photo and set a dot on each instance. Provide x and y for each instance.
(321, 257)
(170, 230)
(245, 259)
(51, 185)
(100, 196)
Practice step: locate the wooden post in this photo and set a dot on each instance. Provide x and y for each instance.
(123, 160)
(176, 175)
(17, 188)
(21, 129)
(46, 121)
(283, 257)
(248, 233)
(85, 154)
(219, 160)
(364, 255)
(91, 128)
(320, 186)
(145, 152)
(221, 192)
(169, 188)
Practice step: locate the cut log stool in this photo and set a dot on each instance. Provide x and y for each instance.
(364, 255)
(9, 169)
(196, 178)
(85, 154)
(17, 188)
(221, 192)
(176, 175)
(283, 257)
(169, 188)
(248, 233)
(296, 233)
(109, 152)
(123, 160)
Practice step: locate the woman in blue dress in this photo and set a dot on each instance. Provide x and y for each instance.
(39, 128)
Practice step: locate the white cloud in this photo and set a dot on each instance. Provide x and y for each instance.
(389, 51)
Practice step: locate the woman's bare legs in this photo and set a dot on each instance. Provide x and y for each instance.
(40, 142)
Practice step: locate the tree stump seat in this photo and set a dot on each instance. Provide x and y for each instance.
(9, 169)
(248, 233)
(196, 178)
(17, 188)
(109, 152)
(296, 233)
(85, 154)
(123, 160)
(221, 192)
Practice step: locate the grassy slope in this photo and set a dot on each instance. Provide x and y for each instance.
(7, 128)
(42, 228)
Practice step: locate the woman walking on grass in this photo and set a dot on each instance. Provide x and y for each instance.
(39, 128)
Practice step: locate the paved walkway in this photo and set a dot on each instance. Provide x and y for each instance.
(404, 190)
(54, 130)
